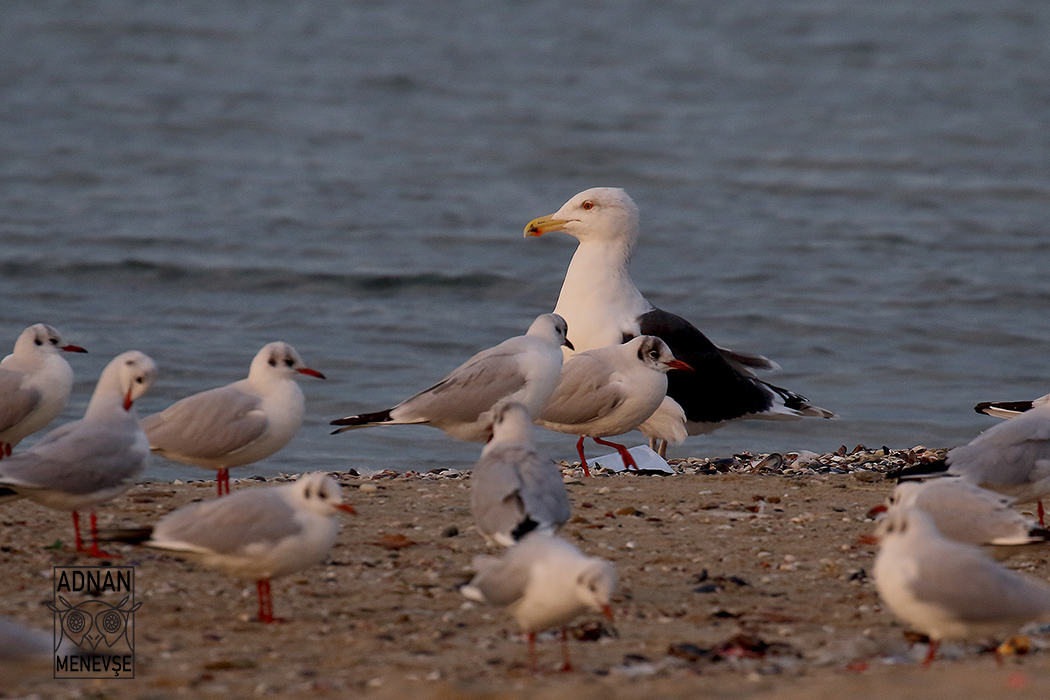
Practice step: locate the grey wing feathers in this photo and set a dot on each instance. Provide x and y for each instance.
(466, 393)
(584, 392)
(15, 402)
(978, 590)
(229, 524)
(91, 462)
(515, 484)
(543, 490)
(210, 424)
(1005, 454)
(503, 581)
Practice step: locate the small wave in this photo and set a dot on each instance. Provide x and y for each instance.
(231, 279)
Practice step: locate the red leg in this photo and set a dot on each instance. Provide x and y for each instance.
(222, 482)
(1041, 513)
(583, 460)
(931, 651)
(265, 602)
(566, 664)
(76, 531)
(533, 661)
(628, 460)
(95, 551)
(5, 449)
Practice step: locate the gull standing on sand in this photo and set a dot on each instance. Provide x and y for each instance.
(524, 369)
(603, 307)
(236, 424)
(257, 533)
(964, 512)
(514, 490)
(544, 582)
(83, 464)
(1010, 409)
(610, 391)
(1012, 457)
(947, 589)
(35, 382)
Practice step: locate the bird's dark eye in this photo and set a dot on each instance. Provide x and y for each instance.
(322, 495)
(54, 341)
(273, 362)
(140, 379)
(289, 361)
(588, 205)
(38, 341)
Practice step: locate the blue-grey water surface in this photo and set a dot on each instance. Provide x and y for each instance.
(860, 191)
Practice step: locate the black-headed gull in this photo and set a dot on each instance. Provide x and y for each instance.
(514, 490)
(603, 307)
(1012, 458)
(544, 582)
(237, 424)
(967, 513)
(83, 464)
(610, 391)
(524, 369)
(947, 589)
(257, 533)
(35, 381)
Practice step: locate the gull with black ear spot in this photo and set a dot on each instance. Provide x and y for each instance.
(610, 391)
(544, 582)
(524, 369)
(258, 534)
(35, 381)
(237, 424)
(603, 307)
(88, 462)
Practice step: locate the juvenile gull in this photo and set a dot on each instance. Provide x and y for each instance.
(236, 424)
(947, 589)
(83, 464)
(524, 368)
(610, 391)
(35, 381)
(544, 582)
(258, 533)
(514, 490)
(1012, 457)
(603, 307)
(1009, 409)
(967, 513)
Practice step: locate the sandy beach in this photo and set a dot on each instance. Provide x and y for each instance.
(746, 577)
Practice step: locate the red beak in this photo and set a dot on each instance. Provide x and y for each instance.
(678, 364)
(72, 348)
(310, 372)
(607, 612)
(127, 401)
(346, 508)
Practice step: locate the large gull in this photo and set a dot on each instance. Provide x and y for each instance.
(524, 368)
(603, 307)
(35, 381)
(1010, 409)
(610, 391)
(83, 464)
(236, 424)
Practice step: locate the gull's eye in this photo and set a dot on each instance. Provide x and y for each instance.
(289, 362)
(322, 495)
(588, 205)
(54, 341)
(140, 379)
(38, 341)
(273, 362)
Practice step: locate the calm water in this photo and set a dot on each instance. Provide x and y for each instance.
(862, 193)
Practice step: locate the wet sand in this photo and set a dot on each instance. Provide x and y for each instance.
(732, 585)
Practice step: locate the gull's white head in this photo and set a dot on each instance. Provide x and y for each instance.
(654, 353)
(551, 327)
(594, 585)
(42, 338)
(902, 522)
(511, 422)
(599, 214)
(130, 374)
(279, 360)
(319, 493)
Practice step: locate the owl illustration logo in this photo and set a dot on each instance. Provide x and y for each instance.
(93, 621)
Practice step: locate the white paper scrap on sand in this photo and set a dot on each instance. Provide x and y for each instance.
(645, 458)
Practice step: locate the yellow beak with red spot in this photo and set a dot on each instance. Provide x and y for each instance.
(545, 224)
